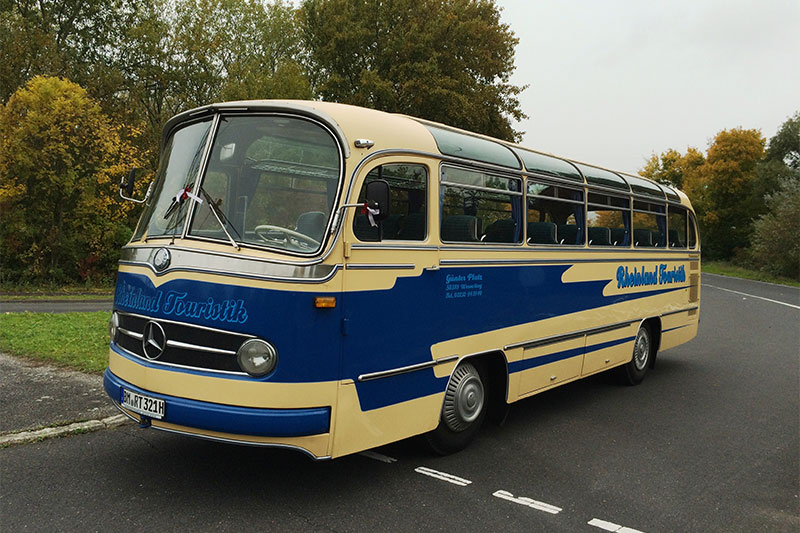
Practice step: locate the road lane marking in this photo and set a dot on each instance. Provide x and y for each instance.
(540, 506)
(753, 296)
(611, 526)
(378, 457)
(450, 478)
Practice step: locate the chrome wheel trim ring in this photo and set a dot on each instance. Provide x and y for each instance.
(641, 349)
(464, 398)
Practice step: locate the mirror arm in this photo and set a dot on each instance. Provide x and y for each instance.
(338, 217)
(143, 200)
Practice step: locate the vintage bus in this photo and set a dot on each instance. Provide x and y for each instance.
(329, 278)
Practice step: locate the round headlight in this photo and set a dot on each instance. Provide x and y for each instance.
(113, 324)
(257, 358)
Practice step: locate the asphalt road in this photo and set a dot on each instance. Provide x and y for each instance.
(709, 442)
(56, 306)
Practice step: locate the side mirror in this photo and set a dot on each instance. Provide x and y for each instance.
(126, 188)
(377, 195)
(131, 179)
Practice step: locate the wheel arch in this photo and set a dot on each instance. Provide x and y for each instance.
(493, 365)
(654, 323)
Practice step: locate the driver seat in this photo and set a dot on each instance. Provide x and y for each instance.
(312, 224)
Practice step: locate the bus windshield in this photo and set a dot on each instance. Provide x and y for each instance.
(270, 181)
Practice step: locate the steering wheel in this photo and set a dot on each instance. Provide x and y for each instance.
(266, 232)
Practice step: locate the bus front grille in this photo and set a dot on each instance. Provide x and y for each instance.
(179, 343)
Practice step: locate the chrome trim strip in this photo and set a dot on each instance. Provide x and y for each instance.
(206, 328)
(223, 439)
(235, 274)
(406, 369)
(173, 365)
(491, 262)
(383, 246)
(569, 336)
(197, 348)
(132, 249)
(129, 333)
(378, 266)
(684, 310)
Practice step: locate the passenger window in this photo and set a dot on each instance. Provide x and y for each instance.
(692, 232)
(677, 228)
(408, 215)
(649, 224)
(480, 207)
(608, 220)
(555, 214)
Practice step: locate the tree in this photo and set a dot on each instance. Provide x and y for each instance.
(785, 145)
(445, 61)
(776, 248)
(670, 168)
(727, 201)
(60, 162)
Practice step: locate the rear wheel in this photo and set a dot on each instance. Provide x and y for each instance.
(643, 351)
(463, 411)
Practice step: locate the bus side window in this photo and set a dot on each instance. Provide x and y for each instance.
(480, 207)
(609, 221)
(692, 232)
(555, 214)
(677, 227)
(408, 220)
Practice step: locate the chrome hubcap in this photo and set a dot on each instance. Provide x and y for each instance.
(641, 349)
(463, 401)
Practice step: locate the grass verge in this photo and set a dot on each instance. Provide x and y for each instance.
(11, 293)
(736, 271)
(75, 340)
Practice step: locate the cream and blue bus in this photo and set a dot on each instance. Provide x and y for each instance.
(329, 278)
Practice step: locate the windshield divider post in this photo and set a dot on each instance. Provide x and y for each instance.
(200, 174)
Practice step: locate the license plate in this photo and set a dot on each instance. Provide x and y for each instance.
(145, 405)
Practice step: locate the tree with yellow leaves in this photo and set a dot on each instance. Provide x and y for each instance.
(61, 159)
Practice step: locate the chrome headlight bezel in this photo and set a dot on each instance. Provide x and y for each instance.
(257, 357)
(113, 326)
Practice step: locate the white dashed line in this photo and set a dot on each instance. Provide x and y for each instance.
(443, 476)
(611, 526)
(540, 506)
(753, 296)
(378, 457)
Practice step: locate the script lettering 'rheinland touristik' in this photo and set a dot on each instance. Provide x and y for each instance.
(659, 275)
(176, 303)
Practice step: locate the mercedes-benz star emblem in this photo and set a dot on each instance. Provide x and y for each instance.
(154, 341)
(161, 259)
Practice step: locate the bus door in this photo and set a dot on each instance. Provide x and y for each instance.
(391, 269)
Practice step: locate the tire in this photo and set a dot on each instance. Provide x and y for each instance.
(643, 353)
(463, 410)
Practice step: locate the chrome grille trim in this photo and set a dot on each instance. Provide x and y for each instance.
(186, 324)
(156, 362)
(198, 348)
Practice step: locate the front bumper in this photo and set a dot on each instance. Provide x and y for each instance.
(228, 419)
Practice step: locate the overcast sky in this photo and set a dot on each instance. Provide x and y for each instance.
(612, 81)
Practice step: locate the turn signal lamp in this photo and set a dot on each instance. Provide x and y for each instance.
(325, 302)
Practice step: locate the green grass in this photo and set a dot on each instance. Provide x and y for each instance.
(736, 271)
(74, 340)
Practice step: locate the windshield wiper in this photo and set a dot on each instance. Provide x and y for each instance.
(219, 215)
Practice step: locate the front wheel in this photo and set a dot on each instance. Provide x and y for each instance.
(463, 411)
(643, 351)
